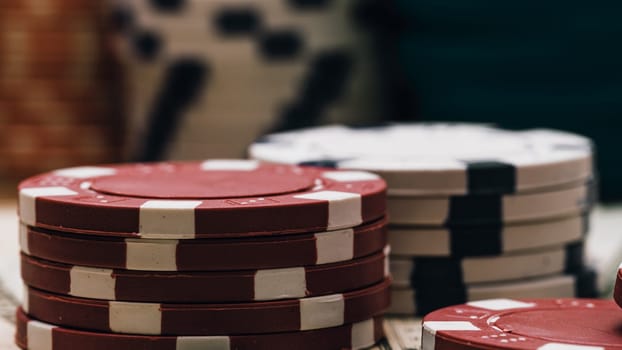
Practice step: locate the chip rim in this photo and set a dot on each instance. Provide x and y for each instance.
(359, 336)
(162, 319)
(458, 334)
(233, 286)
(530, 176)
(189, 255)
(336, 203)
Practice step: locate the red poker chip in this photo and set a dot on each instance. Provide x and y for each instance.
(290, 315)
(31, 333)
(617, 293)
(204, 287)
(205, 254)
(538, 324)
(214, 198)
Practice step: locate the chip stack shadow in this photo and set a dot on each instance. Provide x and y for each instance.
(226, 254)
(475, 212)
(58, 103)
(205, 78)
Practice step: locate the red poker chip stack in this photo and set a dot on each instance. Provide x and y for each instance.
(227, 254)
(57, 95)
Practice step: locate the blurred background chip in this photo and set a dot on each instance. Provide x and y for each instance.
(206, 78)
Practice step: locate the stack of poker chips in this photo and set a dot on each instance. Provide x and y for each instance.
(196, 70)
(57, 106)
(475, 212)
(220, 254)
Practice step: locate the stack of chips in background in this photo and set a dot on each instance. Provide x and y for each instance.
(57, 78)
(227, 254)
(475, 212)
(205, 78)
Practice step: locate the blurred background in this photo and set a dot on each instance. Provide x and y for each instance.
(140, 80)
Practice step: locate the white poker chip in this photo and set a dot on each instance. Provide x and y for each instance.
(490, 240)
(440, 158)
(446, 272)
(420, 301)
(473, 210)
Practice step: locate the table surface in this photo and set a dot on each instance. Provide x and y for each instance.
(603, 250)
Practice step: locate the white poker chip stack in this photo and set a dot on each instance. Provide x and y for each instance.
(475, 211)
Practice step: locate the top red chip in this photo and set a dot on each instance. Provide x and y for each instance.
(214, 198)
(551, 324)
(617, 293)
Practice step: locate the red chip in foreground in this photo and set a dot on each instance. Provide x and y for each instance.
(214, 198)
(546, 324)
(617, 294)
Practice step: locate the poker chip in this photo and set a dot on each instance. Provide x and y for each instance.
(214, 319)
(204, 287)
(447, 272)
(359, 335)
(201, 199)
(524, 324)
(292, 63)
(421, 301)
(617, 294)
(417, 241)
(204, 254)
(489, 209)
(440, 159)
